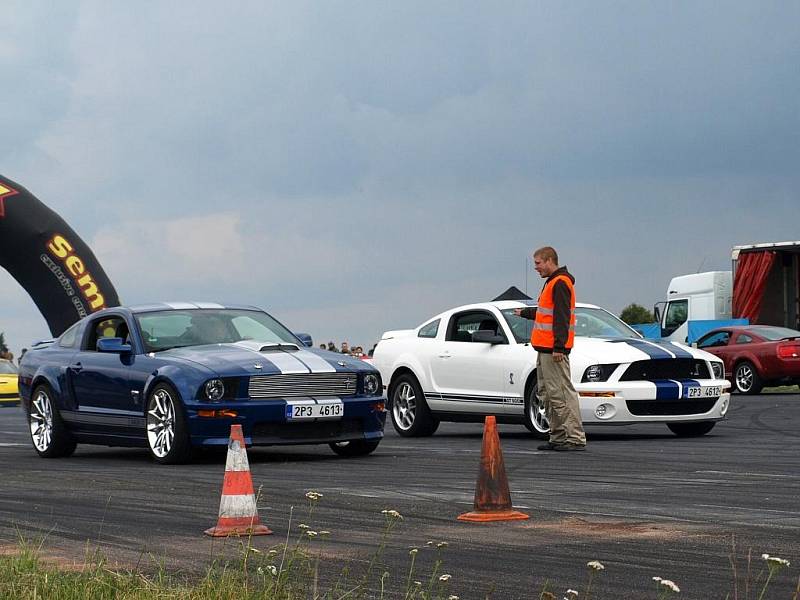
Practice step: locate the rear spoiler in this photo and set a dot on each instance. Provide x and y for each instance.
(398, 333)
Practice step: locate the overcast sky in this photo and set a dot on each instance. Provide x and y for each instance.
(358, 167)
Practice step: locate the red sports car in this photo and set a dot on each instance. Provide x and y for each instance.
(756, 356)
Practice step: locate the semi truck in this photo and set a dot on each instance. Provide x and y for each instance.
(763, 287)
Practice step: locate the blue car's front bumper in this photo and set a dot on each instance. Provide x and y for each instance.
(264, 423)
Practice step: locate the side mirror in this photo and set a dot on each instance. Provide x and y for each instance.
(305, 338)
(487, 337)
(113, 345)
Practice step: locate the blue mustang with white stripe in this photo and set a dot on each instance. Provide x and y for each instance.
(476, 360)
(174, 378)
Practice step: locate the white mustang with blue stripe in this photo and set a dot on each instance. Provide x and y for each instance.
(476, 360)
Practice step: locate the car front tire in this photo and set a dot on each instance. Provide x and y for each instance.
(535, 414)
(49, 434)
(411, 416)
(746, 378)
(167, 430)
(355, 448)
(691, 429)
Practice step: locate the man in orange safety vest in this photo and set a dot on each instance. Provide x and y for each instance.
(552, 337)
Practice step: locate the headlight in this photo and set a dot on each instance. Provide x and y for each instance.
(215, 389)
(598, 373)
(716, 367)
(372, 384)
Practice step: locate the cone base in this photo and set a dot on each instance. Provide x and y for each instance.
(487, 516)
(225, 531)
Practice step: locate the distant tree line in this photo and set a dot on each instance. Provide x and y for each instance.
(634, 314)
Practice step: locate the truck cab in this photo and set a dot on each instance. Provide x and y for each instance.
(699, 296)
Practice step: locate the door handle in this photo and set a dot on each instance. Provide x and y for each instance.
(445, 355)
(77, 367)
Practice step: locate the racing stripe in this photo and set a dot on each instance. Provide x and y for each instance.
(284, 362)
(315, 363)
(651, 349)
(667, 389)
(679, 351)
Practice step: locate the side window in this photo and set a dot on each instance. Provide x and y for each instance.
(105, 328)
(744, 339)
(720, 338)
(69, 338)
(464, 324)
(677, 312)
(430, 330)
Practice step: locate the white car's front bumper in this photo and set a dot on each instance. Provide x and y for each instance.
(628, 402)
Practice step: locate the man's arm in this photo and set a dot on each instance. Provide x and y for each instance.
(562, 299)
(528, 312)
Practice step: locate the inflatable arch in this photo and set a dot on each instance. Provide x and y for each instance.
(49, 260)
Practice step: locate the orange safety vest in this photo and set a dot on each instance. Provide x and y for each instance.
(542, 335)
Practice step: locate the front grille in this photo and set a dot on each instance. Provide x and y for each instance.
(666, 368)
(296, 432)
(302, 384)
(670, 407)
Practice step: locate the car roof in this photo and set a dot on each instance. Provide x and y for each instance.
(506, 304)
(160, 306)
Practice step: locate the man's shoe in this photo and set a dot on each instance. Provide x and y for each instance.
(569, 447)
(547, 446)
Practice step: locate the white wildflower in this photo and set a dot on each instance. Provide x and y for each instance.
(596, 565)
(311, 534)
(418, 583)
(254, 550)
(774, 560)
(413, 551)
(392, 513)
(444, 577)
(441, 545)
(260, 570)
(313, 495)
(324, 532)
(273, 570)
(303, 526)
(656, 579)
(452, 598)
(670, 584)
(572, 592)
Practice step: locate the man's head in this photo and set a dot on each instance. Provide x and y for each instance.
(345, 347)
(545, 261)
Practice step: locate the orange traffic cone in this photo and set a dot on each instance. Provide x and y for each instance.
(492, 498)
(238, 514)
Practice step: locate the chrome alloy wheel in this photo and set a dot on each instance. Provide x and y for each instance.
(161, 423)
(537, 414)
(744, 377)
(41, 421)
(404, 406)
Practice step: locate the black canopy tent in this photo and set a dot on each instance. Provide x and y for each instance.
(513, 293)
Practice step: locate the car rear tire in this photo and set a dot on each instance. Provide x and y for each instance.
(49, 434)
(167, 430)
(535, 414)
(691, 429)
(746, 378)
(411, 416)
(355, 448)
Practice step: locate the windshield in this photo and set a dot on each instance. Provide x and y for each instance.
(7, 368)
(590, 322)
(179, 328)
(775, 333)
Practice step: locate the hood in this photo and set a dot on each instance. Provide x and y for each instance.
(256, 358)
(627, 350)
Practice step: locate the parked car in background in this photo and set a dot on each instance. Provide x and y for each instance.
(9, 392)
(174, 377)
(756, 356)
(476, 360)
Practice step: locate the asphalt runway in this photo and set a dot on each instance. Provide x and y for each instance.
(640, 500)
